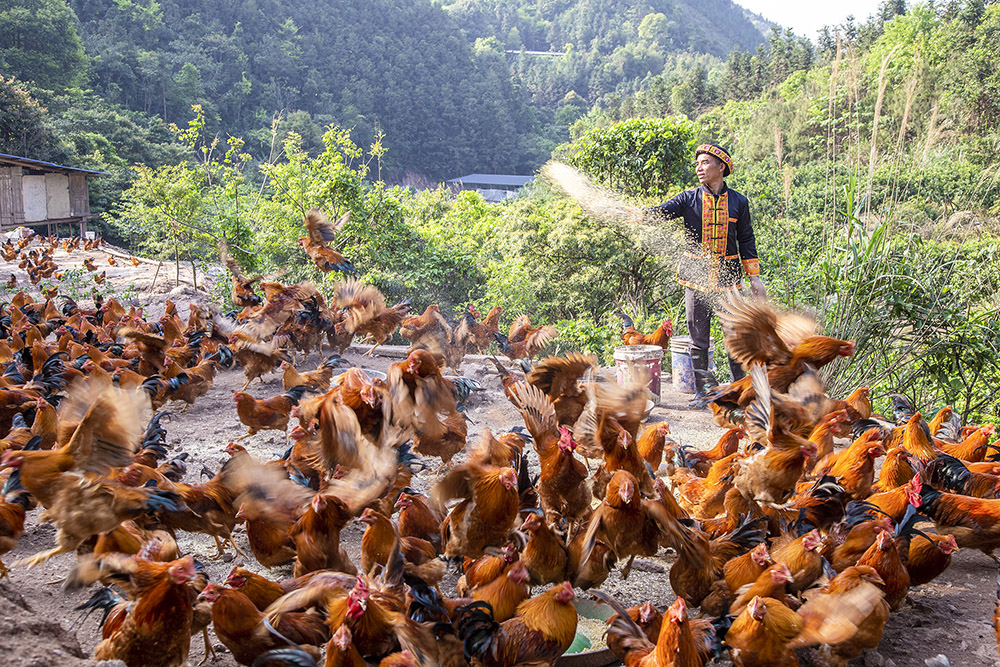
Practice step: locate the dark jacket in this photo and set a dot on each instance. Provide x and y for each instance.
(726, 238)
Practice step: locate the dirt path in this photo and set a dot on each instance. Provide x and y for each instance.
(951, 616)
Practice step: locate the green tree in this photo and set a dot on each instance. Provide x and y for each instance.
(647, 156)
(39, 42)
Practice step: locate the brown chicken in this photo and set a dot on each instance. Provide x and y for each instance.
(317, 380)
(240, 626)
(769, 476)
(200, 379)
(417, 518)
(645, 617)
(727, 445)
(269, 413)
(745, 569)
(367, 314)
(545, 555)
(379, 541)
(786, 343)
(474, 337)
(562, 490)
(541, 631)
(895, 472)
(524, 341)
(559, 379)
(321, 232)
(13, 507)
(317, 536)
(803, 558)
(660, 336)
(625, 522)
(242, 294)
(418, 389)
(766, 633)
(486, 512)
(675, 645)
(927, 558)
(974, 448)
(854, 468)
(505, 592)
(154, 628)
(771, 583)
(651, 443)
(869, 632)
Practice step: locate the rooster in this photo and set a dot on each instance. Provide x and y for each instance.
(660, 336)
(321, 232)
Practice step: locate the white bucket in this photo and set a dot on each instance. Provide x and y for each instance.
(681, 368)
(629, 357)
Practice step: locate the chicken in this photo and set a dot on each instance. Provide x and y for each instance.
(418, 389)
(974, 448)
(13, 507)
(474, 337)
(154, 629)
(974, 522)
(645, 617)
(562, 490)
(802, 557)
(727, 444)
(651, 443)
(786, 343)
(770, 475)
(367, 314)
(322, 232)
(927, 558)
(895, 472)
(676, 643)
(855, 466)
(660, 336)
(417, 518)
(823, 433)
(317, 380)
(545, 555)
(771, 583)
(541, 631)
(505, 592)
(869, 632)
(242, 294)
(416, 328)
(200, 379)
(486, 512)
(525, 341)
(745, 569)
(625, 522)
(558, 378)
(267, 414)
(883, 557)
(766, 633)
(240, 626)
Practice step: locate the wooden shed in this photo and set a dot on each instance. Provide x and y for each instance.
(35, 193)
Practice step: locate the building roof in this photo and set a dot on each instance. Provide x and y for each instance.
(492, 179)
(46, 166)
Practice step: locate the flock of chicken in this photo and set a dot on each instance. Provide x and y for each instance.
(782, 543)
(38, 262)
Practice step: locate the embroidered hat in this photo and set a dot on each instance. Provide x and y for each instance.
(719, 152)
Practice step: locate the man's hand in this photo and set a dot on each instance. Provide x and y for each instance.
(757, 287)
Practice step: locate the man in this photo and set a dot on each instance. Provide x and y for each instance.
(716, 221)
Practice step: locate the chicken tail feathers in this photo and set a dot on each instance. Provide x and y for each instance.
(294, 394)
(104, 598)
(477, 629)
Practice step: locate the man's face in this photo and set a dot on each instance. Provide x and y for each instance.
(709, 168)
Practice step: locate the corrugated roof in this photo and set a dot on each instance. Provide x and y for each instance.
(51, 166)
(492, 179)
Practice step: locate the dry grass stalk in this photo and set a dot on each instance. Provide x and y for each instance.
(882, 83)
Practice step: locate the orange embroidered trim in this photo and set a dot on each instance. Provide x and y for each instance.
(751, 267)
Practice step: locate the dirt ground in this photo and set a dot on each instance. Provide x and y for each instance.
(39, 627)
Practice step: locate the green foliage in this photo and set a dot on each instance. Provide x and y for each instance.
(644, 156)
(39, 42)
